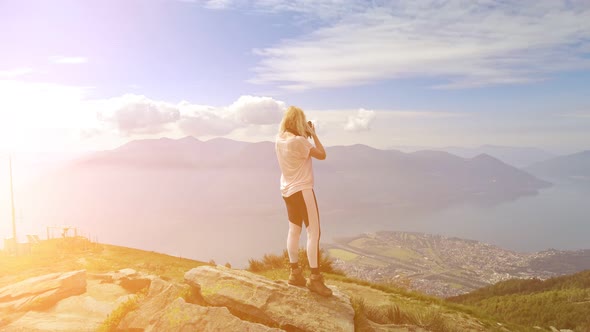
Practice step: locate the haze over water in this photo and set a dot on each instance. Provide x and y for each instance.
(558, 217)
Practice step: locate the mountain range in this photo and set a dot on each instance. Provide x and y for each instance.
(191, 198)
(573, 167)
(516, 156)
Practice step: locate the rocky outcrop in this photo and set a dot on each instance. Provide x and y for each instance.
(182, 316)
(129, 279)
(272, 303)
(164, 309)
(210, 299)
(159, 296)
(41, 292)
(84, 312)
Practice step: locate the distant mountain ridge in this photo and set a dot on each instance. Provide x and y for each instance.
(166, 152)
(516, 156)
(189, 193)
(575, 167)
(449, 178)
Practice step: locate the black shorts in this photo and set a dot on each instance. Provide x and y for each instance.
(297, 209)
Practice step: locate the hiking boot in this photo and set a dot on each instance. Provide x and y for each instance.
(316, 285)
(296, 277)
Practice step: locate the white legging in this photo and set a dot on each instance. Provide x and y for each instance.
(302, 206)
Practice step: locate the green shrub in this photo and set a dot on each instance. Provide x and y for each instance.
(272, 262)
(427, 318)
(255, 265)
(361, 322)
(116, 316)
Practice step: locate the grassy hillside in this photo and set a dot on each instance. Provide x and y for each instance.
(563, 302)
(69, 254)
(376, 305)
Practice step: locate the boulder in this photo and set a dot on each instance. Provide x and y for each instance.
(273, 303)
(42, 292)
(163, 309)
(160, 294)
(129, 279)
(182, 316)
(85, 312)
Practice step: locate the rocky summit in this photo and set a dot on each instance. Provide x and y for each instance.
(210, 299)
(273, 303)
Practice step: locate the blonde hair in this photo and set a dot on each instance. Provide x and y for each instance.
(294, 121)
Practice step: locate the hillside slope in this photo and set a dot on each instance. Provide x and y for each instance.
(191, 293)
(562, 301)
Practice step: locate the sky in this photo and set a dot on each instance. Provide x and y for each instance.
(81, 76)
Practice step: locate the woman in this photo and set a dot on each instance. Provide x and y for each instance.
(294, 153)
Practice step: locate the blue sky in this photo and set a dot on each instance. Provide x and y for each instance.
(85, 75)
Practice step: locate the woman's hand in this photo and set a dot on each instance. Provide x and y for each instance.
(311, 128)
(318, 151)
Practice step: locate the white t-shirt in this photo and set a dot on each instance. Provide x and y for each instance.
(295, 163)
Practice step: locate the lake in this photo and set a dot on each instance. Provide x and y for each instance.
(558, 217)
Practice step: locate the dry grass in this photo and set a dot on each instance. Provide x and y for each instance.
(59, 255)
(116, 316)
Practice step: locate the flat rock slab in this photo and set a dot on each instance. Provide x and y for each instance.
(163, 309)
(84, 312)
(182, 316)
(41, 292)
(272, 303)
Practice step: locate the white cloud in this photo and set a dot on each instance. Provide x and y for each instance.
(361, 121)
(218, 4)
(50, 117)
(72, 60)
(463, 43)
(134, 114)
(212, 4)
(257, 110)
(323, 9)
(199, 120)
(12, 73)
